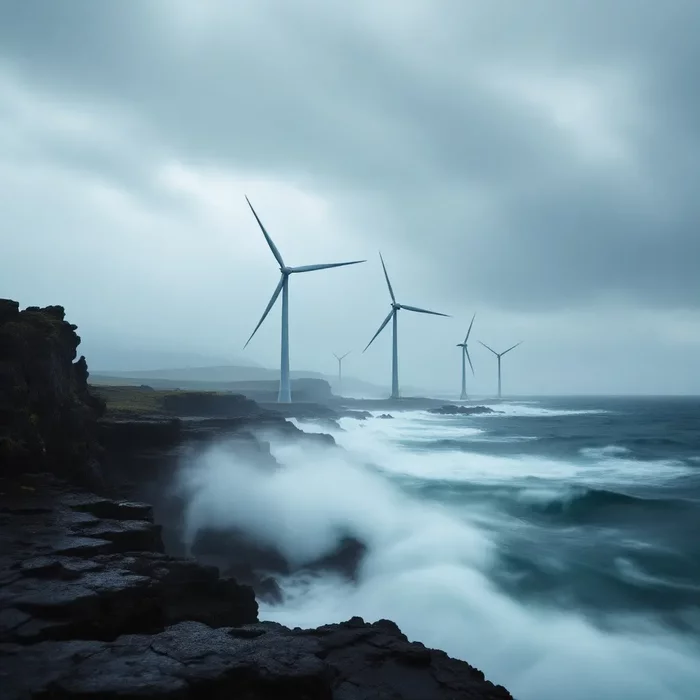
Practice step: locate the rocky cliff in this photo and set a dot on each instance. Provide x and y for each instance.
(48, 416)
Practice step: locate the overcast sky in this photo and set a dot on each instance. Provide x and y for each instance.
(536, 162)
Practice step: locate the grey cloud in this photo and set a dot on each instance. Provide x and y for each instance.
(473, 191)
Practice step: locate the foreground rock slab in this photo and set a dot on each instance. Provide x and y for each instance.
(77, 566)
(349, 661)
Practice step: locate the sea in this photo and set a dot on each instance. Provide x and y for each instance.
(554, 544)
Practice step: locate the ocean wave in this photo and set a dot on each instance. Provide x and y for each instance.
(429, 567)
(583, 503)
(467, 442)
(603, 452)
(523, 409)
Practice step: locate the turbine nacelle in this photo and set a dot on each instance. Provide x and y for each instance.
(396, 307)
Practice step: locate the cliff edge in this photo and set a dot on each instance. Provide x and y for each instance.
(48, 416)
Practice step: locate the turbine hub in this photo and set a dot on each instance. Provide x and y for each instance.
(286, 270)
(396, 306)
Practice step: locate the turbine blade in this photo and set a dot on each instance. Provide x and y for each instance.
(270, 242)
(488, 348)
(381, 328)
(323, 266)
(270, 304)
(346, 354)
(337, 358)
(469, 358)
(470, 329)
(386, 275)
(511, 348)
(422, 311)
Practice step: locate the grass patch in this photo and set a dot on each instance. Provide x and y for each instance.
(142, 401)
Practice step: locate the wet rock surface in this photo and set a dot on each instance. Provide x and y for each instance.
(91, 607)
(76, 565)
(451, 410)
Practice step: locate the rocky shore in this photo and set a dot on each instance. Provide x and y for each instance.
(92, 607)
(97, 599)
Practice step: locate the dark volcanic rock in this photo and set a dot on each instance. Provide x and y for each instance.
(210, 404)
(357, 415)
(76, 565)
(386, 416)
(451, 410)
(48, 416)
(349, 661)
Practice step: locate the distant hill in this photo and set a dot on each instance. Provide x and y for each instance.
(225, 377)
(128, 355)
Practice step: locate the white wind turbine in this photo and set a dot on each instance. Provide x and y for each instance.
(340, 359)
(499, 355)
(465, 356)
(394, 315)
(285, 394)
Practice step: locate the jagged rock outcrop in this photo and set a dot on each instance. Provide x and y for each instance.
(348, 661)
(48, 415)
(79, 566)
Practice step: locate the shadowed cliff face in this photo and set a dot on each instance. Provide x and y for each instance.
(48, 416)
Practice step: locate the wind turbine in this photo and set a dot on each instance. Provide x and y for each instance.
(465, 356)
(340, 359)
(499, 355)
(285, 394)
(394, 315)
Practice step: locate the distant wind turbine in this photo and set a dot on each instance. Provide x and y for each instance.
(285, 394)
(340, 359)
(394, 315)
(499, 355)
(465, 356)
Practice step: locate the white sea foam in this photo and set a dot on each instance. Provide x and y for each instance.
(429, 567)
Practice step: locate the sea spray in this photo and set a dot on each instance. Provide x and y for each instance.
(432, 562)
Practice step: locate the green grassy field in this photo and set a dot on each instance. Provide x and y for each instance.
(136, 400)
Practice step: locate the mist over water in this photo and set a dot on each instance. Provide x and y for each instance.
(553, 546)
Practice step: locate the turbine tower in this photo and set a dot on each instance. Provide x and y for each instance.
(285, 394)
(340, 359)
(394, 316)
(465, 356)
(499, 355)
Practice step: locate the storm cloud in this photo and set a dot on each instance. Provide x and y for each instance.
(532, 161)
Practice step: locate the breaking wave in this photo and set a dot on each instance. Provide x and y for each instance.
(431, 560)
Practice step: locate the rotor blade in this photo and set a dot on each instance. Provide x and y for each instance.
(271, 303)
(273, 247)
(337, 358)
(386, 274)
(466, 352)
(323, 266)
(346, 354)
(381, 328)
(466, 338)
(423, 311)
(488, 348)
(511, 348)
